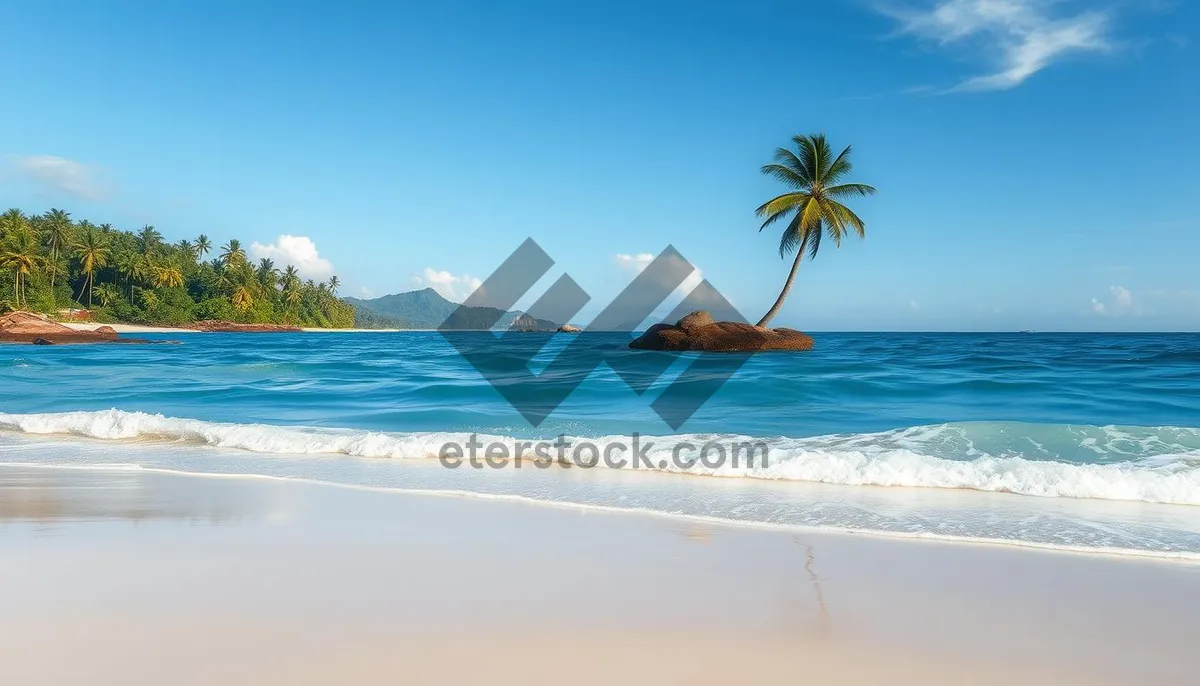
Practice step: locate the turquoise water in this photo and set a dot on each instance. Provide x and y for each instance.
(1085, 441)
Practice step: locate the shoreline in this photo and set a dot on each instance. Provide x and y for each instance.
(141, 328)
(951, 516)
(299, 583)
(1126, 554)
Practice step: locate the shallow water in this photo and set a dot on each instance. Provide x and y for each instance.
(1098, 434)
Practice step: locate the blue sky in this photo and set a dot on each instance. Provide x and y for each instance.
(1035, 160)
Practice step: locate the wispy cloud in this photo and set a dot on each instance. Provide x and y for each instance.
(454, 287)
(1120, 302)
(634, 264)
(1018, 37)
(297, 251)
(59, 175)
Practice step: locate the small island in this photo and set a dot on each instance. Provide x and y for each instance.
(812, 209)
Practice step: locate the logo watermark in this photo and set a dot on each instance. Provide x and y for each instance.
(638, 452)
(503, 358)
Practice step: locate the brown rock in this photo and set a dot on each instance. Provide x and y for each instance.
(695, 321)
(27, 327)
(567, 328)
(698, 331)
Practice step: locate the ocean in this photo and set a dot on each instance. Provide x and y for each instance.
(1082, 442)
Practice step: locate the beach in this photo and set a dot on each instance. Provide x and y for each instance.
(139, 328)
(200, 579)
(126, 328)
(928, 509)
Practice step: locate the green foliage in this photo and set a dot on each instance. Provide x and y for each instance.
(50, 262)
(815, 178)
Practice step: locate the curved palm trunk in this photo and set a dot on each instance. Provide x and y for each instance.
(53, 273)
(786, 288)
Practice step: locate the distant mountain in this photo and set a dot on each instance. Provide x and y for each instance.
(426, 309)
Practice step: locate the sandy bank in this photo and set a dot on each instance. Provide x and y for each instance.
(125, 328)
(135, 577)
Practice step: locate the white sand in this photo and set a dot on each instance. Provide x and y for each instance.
(126, 328)
(135, 577)
(137, 328)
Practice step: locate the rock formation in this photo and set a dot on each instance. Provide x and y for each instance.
(27, 327)
(698, 331)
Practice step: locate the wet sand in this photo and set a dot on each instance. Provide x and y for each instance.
(138, 577)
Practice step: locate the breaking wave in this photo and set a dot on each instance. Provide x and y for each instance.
(1147, 464)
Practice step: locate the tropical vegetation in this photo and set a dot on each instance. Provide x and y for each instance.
(816, 182)
(51, 263)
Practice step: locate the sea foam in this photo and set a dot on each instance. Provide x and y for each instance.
(1159, 465)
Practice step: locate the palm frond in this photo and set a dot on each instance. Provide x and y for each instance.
(846, 189)
(793, 237)
(782, 203)
(838, 168)
(814, 242)
(820, 156)
(784, 174)
(810, 216)
(847, 217)
(805, 156)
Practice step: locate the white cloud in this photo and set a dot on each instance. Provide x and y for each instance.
(1019, 36)
(298, 251)
(914, 305)
(60, 175)
(1122, 297)
(1120, 302)
(634, 264)
(449, 286)
(366, 293)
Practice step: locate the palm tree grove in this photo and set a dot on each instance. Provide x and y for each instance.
(50, 263)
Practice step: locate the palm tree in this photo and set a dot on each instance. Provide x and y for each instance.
(168, 275)
(133, 266)
(334, 283)
(149, 239)
(814, 174)
(267, 275)
(57, 236)
(92, 251)
(20, 254)
(107, 294)
(242, 298)
(232, 253)
(291, 275)
(12, 221)
(203, 246)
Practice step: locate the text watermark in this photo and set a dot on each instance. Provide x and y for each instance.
(639, 452)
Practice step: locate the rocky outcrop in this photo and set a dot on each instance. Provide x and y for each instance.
(698, 331)
(567, 328)
(222, 326)
(27, 327)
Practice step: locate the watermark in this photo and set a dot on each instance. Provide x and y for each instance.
(504, 358)
(638, 452)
